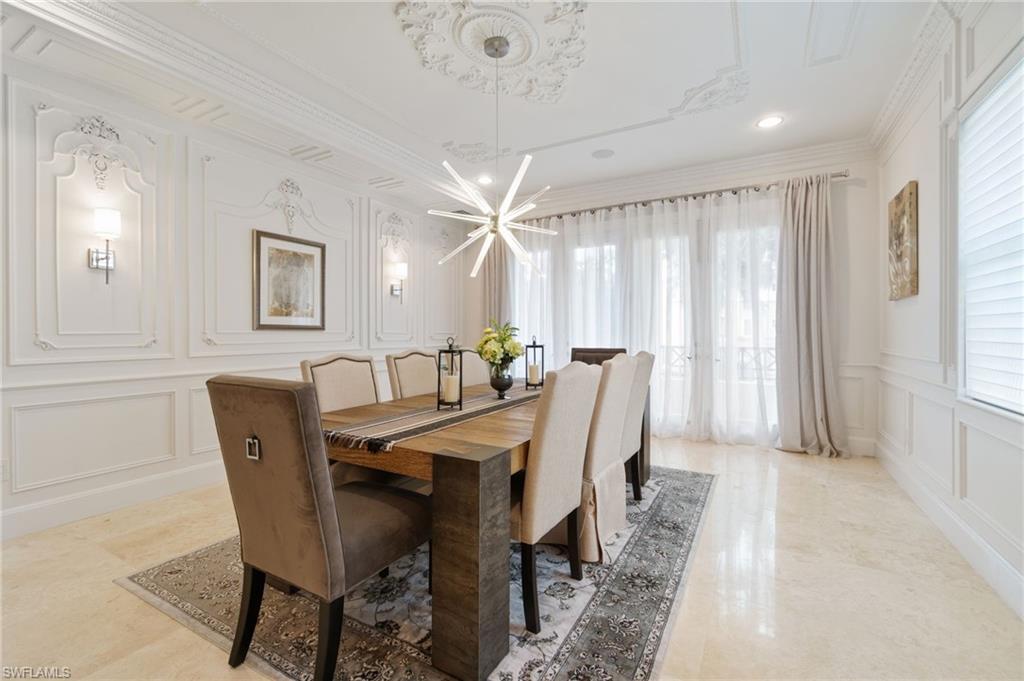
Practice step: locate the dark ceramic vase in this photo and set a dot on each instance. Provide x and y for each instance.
(501, 379)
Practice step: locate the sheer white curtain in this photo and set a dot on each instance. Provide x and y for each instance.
(692, 281)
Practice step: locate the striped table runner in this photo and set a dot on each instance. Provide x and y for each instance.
(381, 435)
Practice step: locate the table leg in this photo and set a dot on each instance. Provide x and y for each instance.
(471, 564)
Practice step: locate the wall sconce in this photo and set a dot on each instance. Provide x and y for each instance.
(399, 271)
(106, 225)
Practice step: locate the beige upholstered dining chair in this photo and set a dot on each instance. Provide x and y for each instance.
(413, 372)
(549, 492)
(604, 478)
(294, 524)
(343, 381)
(632, 430)
(474, 370)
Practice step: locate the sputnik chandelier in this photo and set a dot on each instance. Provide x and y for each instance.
(499, 220)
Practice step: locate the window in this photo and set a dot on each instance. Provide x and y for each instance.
(991, 245)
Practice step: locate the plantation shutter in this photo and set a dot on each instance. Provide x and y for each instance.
(991, 248)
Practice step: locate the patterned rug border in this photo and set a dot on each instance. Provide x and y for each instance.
(650, 661)
(681, 585)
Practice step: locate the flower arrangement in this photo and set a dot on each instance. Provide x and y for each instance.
(498, 345)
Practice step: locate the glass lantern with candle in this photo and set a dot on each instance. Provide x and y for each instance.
(534, 365)
(449, 376)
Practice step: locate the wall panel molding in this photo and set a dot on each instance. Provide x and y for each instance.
(71, 157)
(76, 444)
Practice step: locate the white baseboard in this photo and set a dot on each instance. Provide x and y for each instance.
(41, 515)
(994, 569)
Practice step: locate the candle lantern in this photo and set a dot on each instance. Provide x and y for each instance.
(534, 365)
(449, 376)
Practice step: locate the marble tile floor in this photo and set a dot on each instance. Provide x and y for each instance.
(807, 568)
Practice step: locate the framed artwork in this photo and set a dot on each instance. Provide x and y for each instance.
(903, 243)
(287, 282)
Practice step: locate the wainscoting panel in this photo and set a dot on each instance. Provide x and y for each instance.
(68, 158)
(394, 233)
(61, 441)
(892, 415)
(443, 283)
(932, 438)
(233, 196)
(993, 472)
(202, 432)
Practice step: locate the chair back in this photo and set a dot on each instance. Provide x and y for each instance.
(342, 381)
(594, 355)
(604, 446)
(474, 369)
(631, 431)
(276, 462)
(412, 373)
(554, 469)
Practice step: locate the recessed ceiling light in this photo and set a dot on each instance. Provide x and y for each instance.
(769, 122)
(603, 153)
(484, 180)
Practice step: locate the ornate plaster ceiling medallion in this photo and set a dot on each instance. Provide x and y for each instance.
(545, 43)
(473, 152)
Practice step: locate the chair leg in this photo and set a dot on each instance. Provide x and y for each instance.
(329, 640)
(530, 606)
(430, 567)
(248, 612)
(385, 572)
(634, 473)
(572, 522)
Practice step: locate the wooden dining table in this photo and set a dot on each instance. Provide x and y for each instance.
(469, 464)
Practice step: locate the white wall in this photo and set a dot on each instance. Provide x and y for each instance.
(103, 397)
(963, 463)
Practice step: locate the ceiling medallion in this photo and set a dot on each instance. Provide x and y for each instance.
(545, 43)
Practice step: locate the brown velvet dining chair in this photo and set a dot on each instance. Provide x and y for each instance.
(294, 524)
(549, 492)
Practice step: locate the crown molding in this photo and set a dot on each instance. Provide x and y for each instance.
(129, 32)
(706, 176)
(931, 37)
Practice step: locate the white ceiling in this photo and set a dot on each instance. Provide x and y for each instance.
(663, 85)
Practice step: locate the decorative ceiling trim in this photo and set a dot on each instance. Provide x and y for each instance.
(840, 50)
(127, 31)
(473, 152)
(546, 43)
(730, 85)
(936, 29)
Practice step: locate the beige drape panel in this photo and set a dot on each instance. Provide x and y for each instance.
(497, 274)
(809, 414)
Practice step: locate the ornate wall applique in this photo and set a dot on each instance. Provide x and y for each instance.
(546, 43)
(288, 199)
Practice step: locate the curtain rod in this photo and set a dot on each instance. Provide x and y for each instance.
(834, 176)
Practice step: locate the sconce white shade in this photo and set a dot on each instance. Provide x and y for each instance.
(400, 270)
(107, 223)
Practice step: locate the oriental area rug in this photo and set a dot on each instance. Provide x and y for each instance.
(609, 626)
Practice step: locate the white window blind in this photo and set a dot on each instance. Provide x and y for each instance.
(991, 249)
